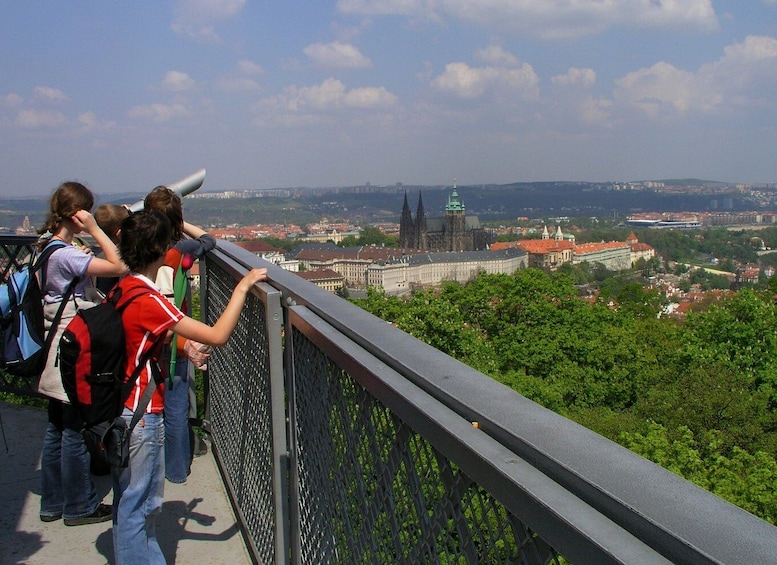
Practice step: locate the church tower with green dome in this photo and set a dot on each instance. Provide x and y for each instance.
(455, 223)
(454, 232)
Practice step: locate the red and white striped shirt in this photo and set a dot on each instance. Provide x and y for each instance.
(146, 320)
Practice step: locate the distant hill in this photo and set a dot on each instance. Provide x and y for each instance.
(368, 204)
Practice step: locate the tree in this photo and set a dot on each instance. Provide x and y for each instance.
(697, 396)
(743, 478)
(369, 236)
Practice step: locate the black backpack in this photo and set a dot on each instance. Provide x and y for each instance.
(24, 345)
(92, 359)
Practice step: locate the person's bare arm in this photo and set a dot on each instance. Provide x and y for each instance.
(112, 265)
(192, 231)
(219, 333)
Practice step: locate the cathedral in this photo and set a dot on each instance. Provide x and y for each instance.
(454, 232)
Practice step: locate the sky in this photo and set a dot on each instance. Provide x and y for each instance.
(123, 96)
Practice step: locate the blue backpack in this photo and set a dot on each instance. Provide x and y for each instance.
(24, 345)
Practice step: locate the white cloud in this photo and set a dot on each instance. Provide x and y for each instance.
(370, 97)
(177, 81)
(472, 82)
(494, 55)
(573, 104)
(576, 77)
(249, 67)
(197, 18)
(549, 18)
(746, 74)
(48, 94)
(89, 122)
(305, 106)
(160, 112)
(662, 87)
(243, 82)
(337, 55)
(332, 94)
(39, 118)
(11, 100)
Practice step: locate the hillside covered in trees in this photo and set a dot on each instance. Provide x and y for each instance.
(697, 397)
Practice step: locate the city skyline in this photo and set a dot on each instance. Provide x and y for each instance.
(340, 93)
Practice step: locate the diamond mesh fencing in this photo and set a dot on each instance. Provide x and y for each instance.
(372, 490)
(240, 410)
(331, 455)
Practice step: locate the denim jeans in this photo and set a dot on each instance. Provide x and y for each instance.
(66, 483)
(138, 492)
(178, 453)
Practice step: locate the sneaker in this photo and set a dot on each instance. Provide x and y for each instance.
(50, 517)
(102, 514)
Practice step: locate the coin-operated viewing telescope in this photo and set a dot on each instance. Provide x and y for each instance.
(185, 186)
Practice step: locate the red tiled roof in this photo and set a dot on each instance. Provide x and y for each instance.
(538, 246)
(594, 247)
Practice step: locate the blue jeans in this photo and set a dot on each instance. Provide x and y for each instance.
(66, 483)
(138, 492)
(178, 449)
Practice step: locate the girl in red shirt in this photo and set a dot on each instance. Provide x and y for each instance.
(138, 489)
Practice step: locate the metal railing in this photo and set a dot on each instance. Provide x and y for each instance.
(345, 440)
(341, 439)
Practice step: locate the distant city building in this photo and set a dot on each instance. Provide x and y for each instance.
(327, 279)
(551, 253)
(454, 232)
(26, 227)
(546, 253)
(332, 235)
(269, 253)
(350, 262)
(431, 269)
(614, 255)
(639, 250)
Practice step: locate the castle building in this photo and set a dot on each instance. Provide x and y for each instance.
(456, 231)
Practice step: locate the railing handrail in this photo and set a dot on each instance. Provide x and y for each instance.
(673, 516)
(585, 495)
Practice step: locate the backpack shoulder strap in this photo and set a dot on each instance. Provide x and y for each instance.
(120, 303)
(121, 300)
(40, 263)
(147, 393)
(180, 284)
(41, 258)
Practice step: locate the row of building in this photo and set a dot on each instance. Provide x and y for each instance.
(399, 270)
(433, 250)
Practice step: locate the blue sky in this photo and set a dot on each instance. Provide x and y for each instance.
(127, 95)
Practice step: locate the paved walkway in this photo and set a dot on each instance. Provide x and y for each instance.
(197, 524)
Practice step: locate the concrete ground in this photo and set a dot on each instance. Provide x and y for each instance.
(197, 524)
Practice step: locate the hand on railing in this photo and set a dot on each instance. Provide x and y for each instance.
(197, 353)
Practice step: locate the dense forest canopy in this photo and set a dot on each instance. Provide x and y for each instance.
(697, 397)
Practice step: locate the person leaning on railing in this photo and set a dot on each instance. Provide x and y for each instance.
(138, 489)
(173, 281)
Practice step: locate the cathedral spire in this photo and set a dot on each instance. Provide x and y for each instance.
(420, 224)
(407, 232)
